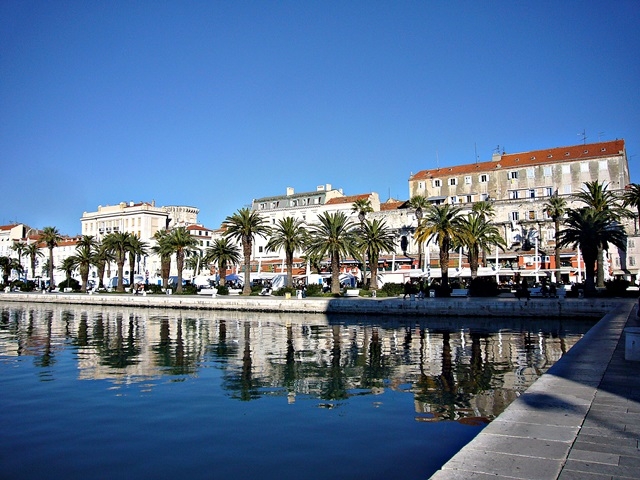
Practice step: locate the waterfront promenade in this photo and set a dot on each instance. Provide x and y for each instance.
(580, 420)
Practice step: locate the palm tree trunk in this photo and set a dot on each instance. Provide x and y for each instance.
(51, 284)
(290, 269)
(246, 245)
(120, 287)
(335, 274)
(600, 267)
(557, 249)
(180, 266)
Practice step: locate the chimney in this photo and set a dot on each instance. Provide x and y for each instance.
(290, 191)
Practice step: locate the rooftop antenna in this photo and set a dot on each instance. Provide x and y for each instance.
(437, 160)
(599, 135)
(475, 149)
(584, 136)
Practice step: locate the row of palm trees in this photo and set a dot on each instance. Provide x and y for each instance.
(591, 227)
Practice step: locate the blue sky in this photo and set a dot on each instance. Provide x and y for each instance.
(214, 103)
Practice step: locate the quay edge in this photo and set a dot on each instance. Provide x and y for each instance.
(440, 307)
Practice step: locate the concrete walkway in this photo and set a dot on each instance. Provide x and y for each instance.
(581, 420)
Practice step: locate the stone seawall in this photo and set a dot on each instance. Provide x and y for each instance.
(440, 307)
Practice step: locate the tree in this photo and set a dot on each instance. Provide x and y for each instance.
(476, 233)
(288, 235)
(243, 226)
(164, 250)
(362, 206)
(67, 266)
(486, 210)
(597, 196)
(32, 251)
(84, 258)
(50, 236)
(555, 208)
(631, 198)
(118, 243)
(420, 204)
(181, 242)
(223, 253)
(333, 236)
(7, 264)
(374, 238)
(137, 248)
(592, 231)
(194, 261)
(102, 256)
(19, 248)
(442, 223)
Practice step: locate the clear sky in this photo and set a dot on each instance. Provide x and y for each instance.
(213, 103)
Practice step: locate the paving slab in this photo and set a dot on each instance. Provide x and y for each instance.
(581, 420)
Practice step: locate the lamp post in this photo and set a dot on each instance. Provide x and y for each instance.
(361, 216)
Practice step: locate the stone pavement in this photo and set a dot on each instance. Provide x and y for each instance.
(581, 420)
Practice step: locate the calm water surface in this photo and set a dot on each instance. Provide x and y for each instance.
(150, 394)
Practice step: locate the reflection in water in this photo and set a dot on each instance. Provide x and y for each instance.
(456, 372)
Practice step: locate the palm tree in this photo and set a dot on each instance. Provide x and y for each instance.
(68, 266)
(181, 242)
(224, 253)
(441, 222)
(288, 235)
(32, 250)
(374, 238)
(333, 236)
(477, 233)
(362, 206)
(485, 209)
(631, 197)
(102, 256)
(164, 249)
(194, 261)
(555, 208)
(7, 264)
(592, 231)
(137, 248)
(50, 236)
(84, 258)
(420, 204)
(596, 196)
(243, 226)
(19, 248)
(118, 244)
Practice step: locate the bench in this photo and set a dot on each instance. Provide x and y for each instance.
(352, 292)
(460, 292)
(208, 291)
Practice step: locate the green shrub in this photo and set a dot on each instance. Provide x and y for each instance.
(29, 286)
(72, 283)
(189, 290)
(281, 292)
(314, 290)
(483, 287)
(617, 287)
(223, 290)
(154, 288)
(392, 289)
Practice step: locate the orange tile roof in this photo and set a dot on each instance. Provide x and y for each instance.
(8, 227)
(527, 159)
(348, 199)
(391, 205)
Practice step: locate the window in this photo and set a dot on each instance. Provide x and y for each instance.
(484, 178)
(454, 200)
(469, 198)
(513, 194)
(421, 185)
(453, 182)
(437, 183)
(515, 216)
(548, 191)
(513, 175)
(467, 180)
(632, 261)
(547, 171)
(531, 172)
(584, 166)
(532, 193)
(260, 249)
(632, 243)
(531, 215)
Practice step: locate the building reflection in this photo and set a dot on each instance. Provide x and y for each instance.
(454, 369)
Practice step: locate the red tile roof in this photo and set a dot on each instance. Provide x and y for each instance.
(348, 199)
(527, 159)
